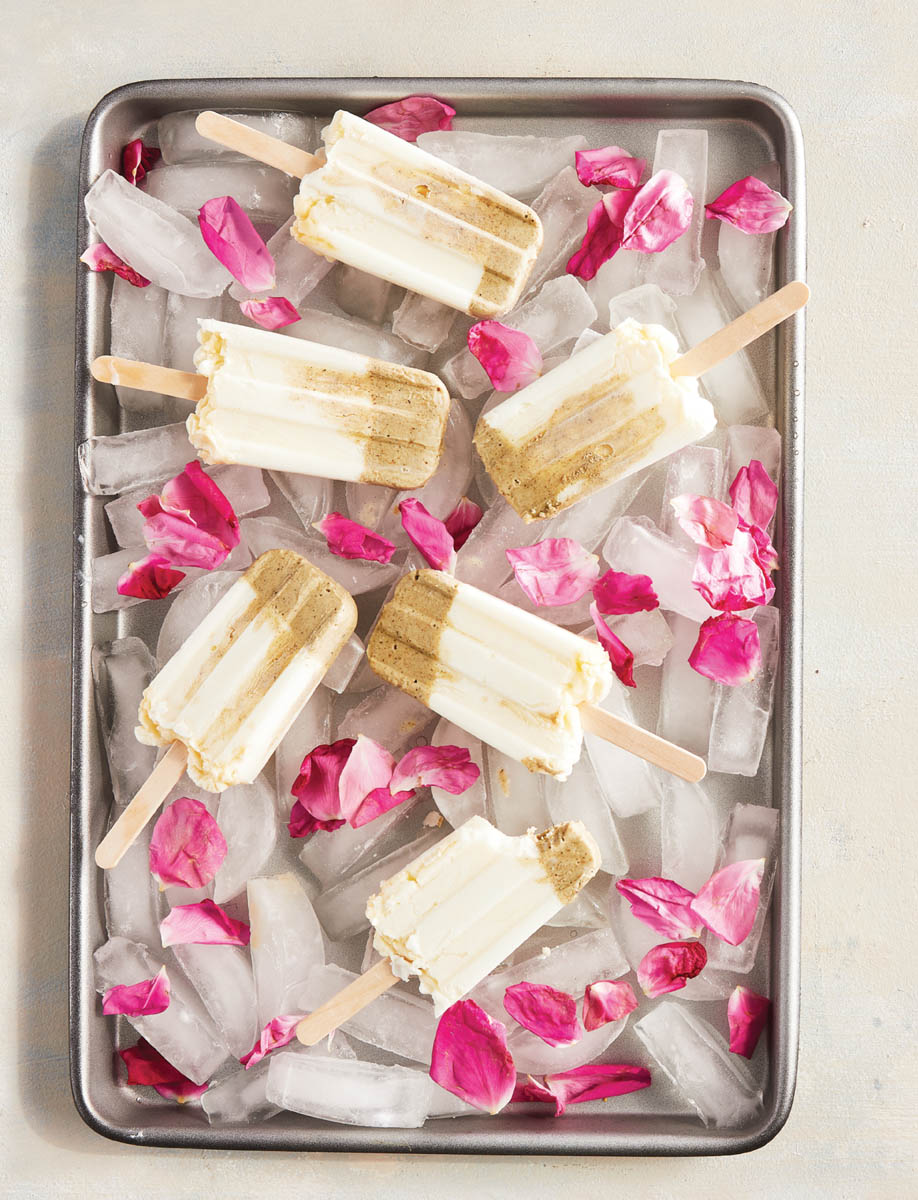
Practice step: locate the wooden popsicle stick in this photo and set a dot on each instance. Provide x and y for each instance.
(147, 377)
(643, 743)
(255, 144)
(745, 329)
(125, 831)
(352, 999)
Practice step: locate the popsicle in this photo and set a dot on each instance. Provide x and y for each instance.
(520, 683)
(620, 404)
(228, 695)
(266, 400)
(387, 207)
(456, 912)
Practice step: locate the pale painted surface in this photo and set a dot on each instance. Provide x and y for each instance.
(848, 69)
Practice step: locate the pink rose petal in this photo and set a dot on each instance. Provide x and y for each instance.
(274, 312)
(511, 358)
(596, 1081)
(529, 1089)
(137, 159)
(727, 650)
(733, 579)
(620, 656)
(447, 767)
(429, 535)
(729, 901)
(369, 766)
(669, 966)
(751, 206)
(279, 1032)
(658, 214)
(316, 786)
(187, 847)
(146, 1067)
(375, 803)
(603, 237)
(544, 1011)
(347, 539)
(765, 553)
(99, 257)
(708, 522)
(754, 495)
(605, 1001)
(144, 999)
(554, 571)
(617, 593)
(303, 824)
(191, 523)
(411, 117)
(462, 520)
(663, 905)
(611, 165)
(470, 1057)
(747, 1016)
(202, 924)
(235, 242)
(149, 578)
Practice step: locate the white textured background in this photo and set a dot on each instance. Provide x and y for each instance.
(848, 68)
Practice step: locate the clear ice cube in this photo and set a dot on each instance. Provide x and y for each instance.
(349, 333)
(678, 268)
(189, 609)
(264, 193)
(180, 142)
(646, 304)
(137, 320)
(121, 670)
(298, 271)
(422, 322)
(180, 332)
(532, 1056)
(563, 207)
(580, 798)
(686, 697)
(311, 728)
(693, 470)
(515, 795)
(352, 1093)
(690, 833)
(629, 784)
(222, 977)
(747, 260)
(636, 546)
(310, 496)
(473, 802)
(248, 820)
(752, 832)
(133, 902)
(742, 713)
(129, 461)
(520, 165)
(357, 575)
(286, 942)
(365, 296)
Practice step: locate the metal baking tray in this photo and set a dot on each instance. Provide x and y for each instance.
(748, 124)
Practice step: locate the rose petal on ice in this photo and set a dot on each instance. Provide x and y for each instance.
(554, 571)
(149, 578)
(607, 1000)
(669, 966)
(368, 766)
(611, 165)
(316, 786)
(303, 824)
(620, 656)
(751, 206)
(733, 579)
(146, 1067)
(603, 237)
(511, 358)
(617, 593)
(144, 999)
(545, 1011)
(658, 214)
(191, 523)
(348, 539)
(187, 847)
(429, 534)
(274, 312)
(99, 257)
(663, 905)
(202, 924)
(529, 1090)
(470, 1057)
(708, 522)
(279, 1032)
(747, 1016)
(754, 494)
(375, 803)
(235, 242)
(727, 650)
(596, 1081)
(137, 159)
(729, 901)
(765, 553)
(462, 520)
(447, 767)
(411, 117)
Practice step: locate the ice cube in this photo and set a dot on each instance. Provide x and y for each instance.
(297, 269)
(357, 575)
(330, 855)
(580, 798)
(133, 901)
(628, 783)
(422, 322)
(310, 729)
(646, 634)
(585, 911)
(474, 800)
(563, 207)
(686, 698)
(634, 936)
(741, 714)
(248, 820)
(286, 942)
(746, 260)
(515, 795)
(716, 1083)
(589, 520)
(365, 296)
(752, 832)
(153, 238)
(180, 142)
(137, 320)
(389, 716)
(746, 442)
(310, 496)
(349, 333)
(222, 977)
(339, 674)
(678, 268)
(107, 569)
(189, 609)
(352, 1093)
(264, 193)
(690, 833)
(646, 304)
(636, 546)
(520, 165)
(121, 670)
(445, 1104)
(482, 561)
(180, 333)
(532, 1056)
(240, 1097)
(693, 470)
(573, 614)
(621, 273)
(126, 461)
(586, 339)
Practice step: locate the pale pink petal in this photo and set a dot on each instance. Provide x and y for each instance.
(187, 847)
(462, 520)
(603, 237)
(732, 579)
(554, 571)
(144, 999)
(429, 534)
(607, 1000)
(595, 1081)
(470, 1057)
(273, 312)
(202, 924)
(617, 593)
(729, 901)
(347, 539)
(137, 159)
(369, 766)
(191, 523)
(375, 803)
(669, 966)
(236, 243)
(149, 578)
(765, 553)
(279, 1032)
(611, 165)
(751, 206)
(663, 905)
(754, 495)
(548, 1013)
(146, 1067)
(511, 358)
(411, 117)
(747, 1016)
(727, 650)
(660, 212)
(620, 656)
(447, 767)
(99, 257)
(708, 522)
(316, 786)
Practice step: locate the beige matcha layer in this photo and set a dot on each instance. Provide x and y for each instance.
(289, 405)
(387, 207)
(504, 675)
(235, 686)
(608, 411)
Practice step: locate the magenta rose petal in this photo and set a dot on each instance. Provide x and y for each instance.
(751, 206)
(369, 766)
(235, 242)
(144, 999)
(470, 1058)
(273, 312)
(620, 656)
(754, 495)
(511, 358)
(303, 824)
(747, 1016)
(411, 117)
(659, 213)
(663, 905)
(617, 593)
(316, 786)
(146, 1067)
(279, 1032)
(727, 650)
(187, 846)
(137, 159)
(729, 901)
(429, 535)
(99, 257)
(545, 1011)
(447, 767)
(611, 165)
(190, 523)
(528, 1090)
(202, 924)
(462, 520)
(669, 966)
(554, 571)
(149, 578)
(733, 578)
(348, 539)
(595, 1081)
(603, 237)
(707, 522)
(605, 1001)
